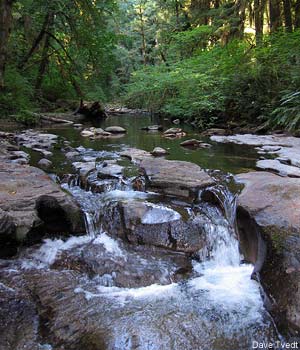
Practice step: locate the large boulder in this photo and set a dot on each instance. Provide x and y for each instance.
(268, 217)
(32, 205)
(175, 178)
(151, 224)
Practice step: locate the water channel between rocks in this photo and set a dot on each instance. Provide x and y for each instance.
(132, 296)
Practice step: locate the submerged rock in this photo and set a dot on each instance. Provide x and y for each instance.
(153, 128)
(269, 208)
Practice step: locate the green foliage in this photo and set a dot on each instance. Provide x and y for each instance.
(238, 81)
(287, 115)
(17, 95)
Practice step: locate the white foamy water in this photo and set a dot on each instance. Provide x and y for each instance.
(109, 244)
(48, 252)
(154, 291)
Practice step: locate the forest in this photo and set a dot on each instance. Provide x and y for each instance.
(208, 62)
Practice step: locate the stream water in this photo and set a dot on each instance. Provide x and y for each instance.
(130, 301)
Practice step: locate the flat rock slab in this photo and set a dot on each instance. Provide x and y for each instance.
(287, 147)
(35, 204)
(176, 178)
(276, 166)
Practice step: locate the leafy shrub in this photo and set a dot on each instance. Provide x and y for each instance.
(287, 115)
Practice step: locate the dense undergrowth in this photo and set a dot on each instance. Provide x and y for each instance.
(239, 83)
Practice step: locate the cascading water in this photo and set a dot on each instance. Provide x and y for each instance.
(218, 307)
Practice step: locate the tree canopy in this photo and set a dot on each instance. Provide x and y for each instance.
(206, 61)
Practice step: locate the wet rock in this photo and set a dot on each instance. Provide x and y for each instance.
(151, 224)
(193, 143)
(84, 169)
(215, 131)
(72, 154)
(153, 128)
(158, 151)
(21, 188)
(87, 133)
(118, 264)
(276, 166)
(19, 327)
(174, 132)
(176, 121)
(44, 152)
(109, 170)
(269, 214)
(33, 139)
(115, 130)
(45, 164)
(81, 313)
(78, 125)
(135, 154)
(176, 178)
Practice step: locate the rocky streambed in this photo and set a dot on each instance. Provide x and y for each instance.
(119, 248)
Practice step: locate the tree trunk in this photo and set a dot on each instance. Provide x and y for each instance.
(45, 56)
(37, 41)
(297, 14)
(259, 6)
(5, 28)
(200, 11)
(275, 15)
(287, 15)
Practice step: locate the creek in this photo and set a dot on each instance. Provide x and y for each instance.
(107, 293)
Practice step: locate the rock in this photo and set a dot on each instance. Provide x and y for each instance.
(151, 224)
(135, 154)
(193, 143)
(173, 131)
(124, 265)
(87, 133)
(158, 151)
(72, 154)
(115, 130)
(45, 164)
(109, 170)
(19, 154)
(268, 218)
(175, 178)
(276, 166)
(44, 152)
(153, 128)
(33, 139)
(22, 186)
(78, 125)
(176, 121)
(215, 131)
(84, 168)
